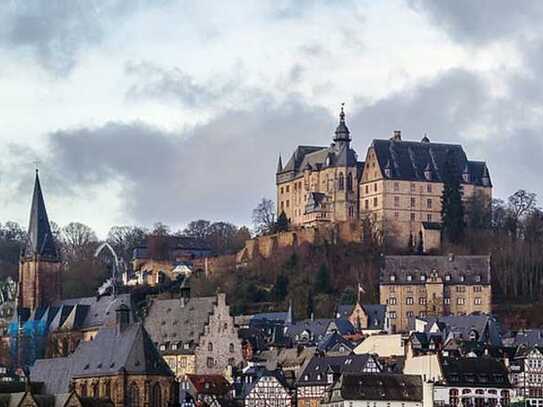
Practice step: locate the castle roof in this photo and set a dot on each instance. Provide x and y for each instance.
(410, 160)
(40, 240)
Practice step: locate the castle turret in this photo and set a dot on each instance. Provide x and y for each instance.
(343, 135)
(280, 165)
(40, 267)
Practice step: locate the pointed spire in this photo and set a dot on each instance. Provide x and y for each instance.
(342, 131)
(40, 239)
(425, 139)
(280, 165)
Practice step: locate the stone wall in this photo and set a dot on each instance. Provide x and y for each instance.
(40, 283)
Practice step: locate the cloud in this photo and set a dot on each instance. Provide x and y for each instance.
(482, 21)
(57, 31)
(218, 170)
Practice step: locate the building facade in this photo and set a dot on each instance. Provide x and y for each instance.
(421, 286)
(397, 188)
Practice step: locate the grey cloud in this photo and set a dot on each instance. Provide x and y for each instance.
(57, 30)
(218, 170)
(481, 21)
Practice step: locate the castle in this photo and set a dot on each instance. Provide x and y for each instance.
(398, 187)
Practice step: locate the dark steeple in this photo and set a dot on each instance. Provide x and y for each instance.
(280, 165)
(342, 132)
(40, 240)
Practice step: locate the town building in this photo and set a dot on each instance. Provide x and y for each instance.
(206, 390)
(526, 374)
(322, 371)
(424, 286)
(367, 318)
(120, 364)
(378, 390)
(310, 332)
(261, 387)
(194, 335)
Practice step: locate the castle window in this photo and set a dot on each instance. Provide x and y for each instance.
(446, 301)
(282, 191)
(133, 396)
(95, 393)
(83, 389)
(412, 216)
(210, 362)
(409, 277)
(409, 314)
(156, 396)
(392, 301)
(413, 202)
(288, 188)
(375, 201)
(287, 204)
(341, 182)
(282, 205)
(210, 347)
(350, 182)
(396, 201)
(422, 301)
(460, 301)
(375, 187)
(477, 289)
(366, 204)
(429, 217)
(412, 187)
(422, 314)
(429, 188)
(423, 277)
(448, 277)
(231, 348)
(409, 301)
(396, 187)
(429, 203)
(393, 278)
(367, 189)
(107, 389)
(478, 278)
(396, 215)
(477, 301)
(392, 314)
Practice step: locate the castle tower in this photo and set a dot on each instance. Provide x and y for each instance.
(40, 268)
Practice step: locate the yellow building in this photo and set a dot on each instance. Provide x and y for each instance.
(420, 286)
(320, 184)
(397, 188)
(402, 184)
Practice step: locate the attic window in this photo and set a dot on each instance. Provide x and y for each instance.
(448, 277)
(423, 277)
(478, 278)
(112, 364)
(86, 366)
(409, 277)
(392, 277)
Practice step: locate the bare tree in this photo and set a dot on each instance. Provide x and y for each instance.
(264, 216)
(78, 240)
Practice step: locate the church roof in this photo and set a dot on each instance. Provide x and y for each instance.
(409, 160)
(40, 240)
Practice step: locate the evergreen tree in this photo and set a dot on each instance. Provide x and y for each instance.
(280, 289)
(452, 208)
(282, 223)
(420, 244)
(322, 280)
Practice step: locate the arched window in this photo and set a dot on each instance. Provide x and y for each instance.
(504, 398)
(83, 390)
(94, 391)
(133, 396)
(341, 182)
(453, 397)
(107, 390)
(156, 396)
(210, 347)
(350, 182)
(231, 348)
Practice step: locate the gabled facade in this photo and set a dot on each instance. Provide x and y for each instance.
(526, 374)
(261, 387)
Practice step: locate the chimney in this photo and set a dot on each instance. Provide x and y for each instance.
(397, 135)
(122, 318)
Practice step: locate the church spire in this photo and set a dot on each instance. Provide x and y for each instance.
(280, 165)
(40, 240)
(342, 131)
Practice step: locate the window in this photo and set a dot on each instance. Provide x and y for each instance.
(396, 215)
(453, 397)
(210, 362)
(396, 187)
(107, 390)
(460, 289)
(156, 396)
(412, 216)
(375, 201)
(392, 277)
(282, 191)
(409, 301)
(231, 348)
(409, 277)
(446, 301)
(423, 277)
(396, 201)
(282, 205)
(409, 314)
(429, 188)
(350, 182)
(429, 203)
(367, 189)
(94, 391)
(447, 277)
(133, 399)
(341, 182)
(288, 188)
(392, 301)
(287, 204)
(366, 204)
(477, 289)
(460, 301)
(412, 187)
(477, 301)
(413, 202)
(429, 217)
(422, 300)
(375, 187)
(210, 347)
(83, 390)
(392, 314)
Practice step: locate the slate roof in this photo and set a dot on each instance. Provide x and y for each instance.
(377, 386)
(482, 371)
(334, 342)
(376, 314)
(451, 269)
(88, 312)
(414, 161)
(40, 240)
(316, 370)
(209, 384)
(319, 328)
(111, 351)
(528, 337)
(462, 326)
(287, 358)
(316, 202)
(173, 321)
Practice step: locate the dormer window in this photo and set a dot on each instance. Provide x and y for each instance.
(478, 278)
(447, 277)
(462, 278)
(423, 277)
(409, 277)
(392, 278)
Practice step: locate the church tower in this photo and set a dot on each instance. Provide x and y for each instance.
(40, 268)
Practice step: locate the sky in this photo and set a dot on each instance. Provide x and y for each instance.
(169, 111)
